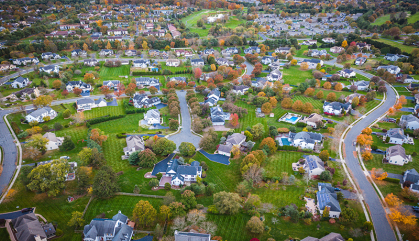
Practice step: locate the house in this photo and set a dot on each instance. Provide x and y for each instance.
(71, 85)
(347, 73)
(282, 50)
(28, 228)
(394, 57)
(112, 84)
(91, 62)
(218, 116)
(313, 165)
(208, 51)
(305, 140)
(235, 139)
(274, 75)
(116, 228)
(223, 61)
(413, 86)
(252, 50)
(396, 136)
(361, 45)
(396, 155)
(213, 97)
(178, 80)
(261, 83)
(78, 53)
(142, 101)
(360, 60)
(197, 62)
(39, 114)
(350, 97)
(130, 52)
(152, 117)
(336, 108)
(312, 120)
(191, 236)
(267, 60)
(147, 81)
(88, 103)
(329, 237)
(326, 197)
(141, 63)
(362, 85)
(177, 174)
(230, 51)
(317, 53)
(134, 143)
(7, 67)
(20, 82)
(54, 142)
(173, 62)
(106, 52)
(390, 68)
(50, 69)
(28, 93)
(410, 122)
(25, 61)
(49, 55)
(328, 40)
(118, 31)
(336, 49)
(405, 78)
(240, 89)
(312, 63)
(411, 179)
(309, 42)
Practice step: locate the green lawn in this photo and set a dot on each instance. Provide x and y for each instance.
(295, 76)
(110, 73)
(4, 234)
(413, 18)
(381, 20)
(404, 48)
(103, 111)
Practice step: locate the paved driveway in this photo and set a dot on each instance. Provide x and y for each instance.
(216, 157)
(9, 152)
(185, 135)
(161, 166)
(13, 215)
(382, 227)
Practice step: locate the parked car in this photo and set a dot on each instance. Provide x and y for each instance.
(338, 189)
(64, 157)
(25, 210)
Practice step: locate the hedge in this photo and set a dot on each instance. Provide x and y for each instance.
(121, 135)
(390, 179)
(103, 119)
(135, 111)
(136, 73)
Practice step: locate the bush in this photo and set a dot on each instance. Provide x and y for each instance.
(15, 127)
(390, 179)
(121, 135)
(22, 135)
(301, 124)
(199, 206)
(58, 232)
(58, 126)
(167, 186)
(135, 111)
(103, 119)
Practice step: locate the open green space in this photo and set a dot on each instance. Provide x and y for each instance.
(413, 18)
(404, 48)
(381, 20)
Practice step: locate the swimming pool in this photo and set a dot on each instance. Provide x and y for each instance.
(292, 119)
(285, 142)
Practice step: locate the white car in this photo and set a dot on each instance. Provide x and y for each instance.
(64, 157)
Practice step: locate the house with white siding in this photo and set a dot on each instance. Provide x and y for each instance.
(39, 114)
(396, 155)
(54, 142)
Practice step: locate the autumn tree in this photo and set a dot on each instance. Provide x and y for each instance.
(144, 214)
(286, 103)
(364, 140)
(378, 174)
(98, 136)
(320, 95)
(273, 101)
(307, 108)
(297, 106)
(304, 66)
(367, 156)
(89, 77)
(267, 108)
(392, 200)
(56, 84)
(197, 73)
(42, 101)
(234, 120)
(338, 87)
(327, 85)
(270, 143)
(331, 97)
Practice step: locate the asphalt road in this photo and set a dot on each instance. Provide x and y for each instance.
(9, 152)
(382, 227)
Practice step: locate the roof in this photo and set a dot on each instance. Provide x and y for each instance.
(50, 136)
(326, 197)
(225, 148)
(121, 217)
(20, 79)
(135, 142)
(314, 117)
(337, 105)
(27, 227)
(396, 150)
(308, 137)
(396, 133)
(362, 83)
(187, 170)
(409, 118)
(41, 111)
(49, 229)
(154, 113)
(314, 162)
(236, 138)
(316, 61)
(333, 237)
(411, 175)
(188, 236)
(240, 87)
(85, 101)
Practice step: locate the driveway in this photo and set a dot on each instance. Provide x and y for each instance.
(161, 166)
(9, 152)
(216, 157)
(349, 195)
(382, 227)
(13, 215)
(185, 135)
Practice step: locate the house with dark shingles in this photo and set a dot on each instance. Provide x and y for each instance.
(336, 49)
(134, 143)
(142, 100)
(212, 97)
(394, 57)
(411, 178)
(88, 104)
(106, 52)
(39, 114)
(230, 51)
(267, 60)
(115, 229)
(30, 93)
(336, 108)
(189, 236)
(240, 89)
(28, 228)
(49, 55)
(78, 53)
(141, 63)
(390, 68)
(305, 140)
(152, 117)
(329, 237)
(326, 197)
(71, 85)
(25, 61)
(50, 69)
(362, 84)
(410, 122)
(177, 174)
(347, 73)
(208, 51)
(147, 81)
(282, 50)
(112, 84)
(396, 155)
(252, 50)
(396, 136)
(197, 62)
(312, 63)
(360, 60)
(90, 62)
(218, 116)
(312, 165)
(274, 75)
(130, 52)
(20, 82)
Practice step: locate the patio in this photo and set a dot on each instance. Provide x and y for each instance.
(290, 118)
(311, 205)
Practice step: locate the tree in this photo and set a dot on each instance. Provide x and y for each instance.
(76, 219)
(67, 145)
(186, 149)
(144, 214)
(108, 45)
(188, 199)
(307, 108)
(402, 215)
(97, 136)
(326, 212)
(320, 95)
(344, 44)
(298, 105)
(258, 131)
(153, 182)
(324, 155)
(197, 73)
(173, 124)
(367, 156)
(327, 85)
(304, 66)
(163, 146)
(43, 100)
(349, 215)
(294, 62)
(39, 142)
(392, 200)
(77, 91)
(326, 176)
(338, 87)
(273, 101)
(255, 225)
(227, 202)
(105, 183)
(49, 178)
(153, 90)
(364, 140)
(147, 158)
(355, 102)
(270, 143)
(331, 97)
(56, 84)
(89, 77)
(234, 120)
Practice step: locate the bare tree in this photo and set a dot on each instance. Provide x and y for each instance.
(254, 174)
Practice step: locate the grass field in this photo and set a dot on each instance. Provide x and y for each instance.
(295, 76)
(381, 20)
(404, 48)
(413, 18)
(107, 73)
(103, 111)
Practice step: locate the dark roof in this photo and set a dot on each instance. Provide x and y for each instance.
(312, 60)
(27, 227)
(411, 175)
(188, 236)
(314, 162)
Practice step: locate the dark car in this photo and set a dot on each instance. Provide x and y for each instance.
(25, 210)
(337, 189)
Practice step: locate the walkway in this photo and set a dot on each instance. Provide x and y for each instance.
(216, 157)
(185, 135)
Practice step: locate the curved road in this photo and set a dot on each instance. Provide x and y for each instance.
(9, 153)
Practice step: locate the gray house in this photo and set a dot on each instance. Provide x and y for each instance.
(218, 116)
(411, 177)
(20, 82)
(134, 143)
(116, 228)
(397, 136)
(396, 155)
(188, 236)
(28, 228)
(410, 122)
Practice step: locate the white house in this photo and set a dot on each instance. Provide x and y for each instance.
(336, 108)
(71, 85)
(410, 122)
(49, 55)
(390, 68)
(152, 117)
(90, 62)
(112, 84)
(336, 49)
(177, 174)
(397, 136)
(396, 155)
(25, 61)
(326, 197)
(362, 85)
(360, 60)
(78, 53)
(147, 81)
(412, 177)
(173, 62)
(106, 52)
(275, 75)
(39, 114)
(394, 57)
(328, 40)
(50, 69)
(267, 60)
(312, 63)
(88, 103)
(240, 89)
(305, 140)
(347, 73)
(141, 63)
(313, 165)
(20, 82)
(252, 50)
(218, 116)
(282, 50)
(142, 100)
(197, 62)
(312, 120)
(54, 142)
(116, 228)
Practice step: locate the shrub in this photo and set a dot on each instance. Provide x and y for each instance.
(104, 119)
(23, 134)
(301, 124)
(58, 232)
(121, 135)
(58, 126)
(135, 111)
(15, 127)
(394, 180)
(167, 186)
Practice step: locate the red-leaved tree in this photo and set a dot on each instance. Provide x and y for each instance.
(234, 120)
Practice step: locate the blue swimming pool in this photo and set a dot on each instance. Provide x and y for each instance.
(285, 142)
(292, 119)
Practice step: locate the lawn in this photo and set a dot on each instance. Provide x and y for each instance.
(295, 76)
(4, 234)
(104, 111)
(404, 48)
(110, 73)
(413, 18)
(381, 20)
